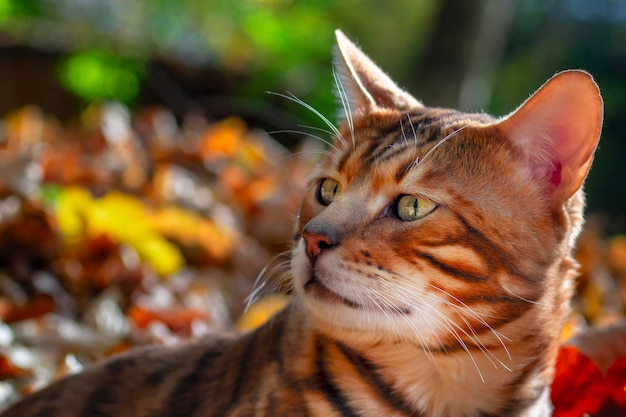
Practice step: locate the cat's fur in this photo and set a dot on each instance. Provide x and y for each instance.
(455, 313)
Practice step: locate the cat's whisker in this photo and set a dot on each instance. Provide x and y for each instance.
(465, 309)
(295, 155)
(298, 132)
(453, 327)
(373, 300)
(312, 109)
(497, 334)
(526, 300)
(486, 351)
(406, 141)
(262, 280)
(442, 141)
(415, 141)
(345, 102)
(411, 297)
(317, 128)
(408, 116)
(421, 340)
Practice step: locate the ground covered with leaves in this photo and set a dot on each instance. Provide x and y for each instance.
(119, 231)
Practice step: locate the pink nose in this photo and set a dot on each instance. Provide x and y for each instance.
(315, 243)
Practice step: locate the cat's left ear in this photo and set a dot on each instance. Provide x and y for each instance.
(557, 130)
(365, 85)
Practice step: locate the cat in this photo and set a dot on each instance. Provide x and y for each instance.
(432, 272)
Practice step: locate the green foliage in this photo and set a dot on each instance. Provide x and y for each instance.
(548, 37)
(269, 45)
(285, 46)
(98, 75)
(17, 8)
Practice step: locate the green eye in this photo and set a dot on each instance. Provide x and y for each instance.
(327, 191)
(410, 207)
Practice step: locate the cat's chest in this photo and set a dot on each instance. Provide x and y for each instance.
(463, 384)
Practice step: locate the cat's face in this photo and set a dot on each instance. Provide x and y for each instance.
(437, 227)
(413, 243)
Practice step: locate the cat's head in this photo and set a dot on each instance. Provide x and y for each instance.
(440, 227)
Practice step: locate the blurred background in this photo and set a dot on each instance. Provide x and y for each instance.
(147, 177)
(218, 58)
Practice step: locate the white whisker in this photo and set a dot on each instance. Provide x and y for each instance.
(307, 152)
(261, 283)
(444, 320)
(312, 109)
(442, 141)
(451, 325)
(298, 132)
(421, 340)
(320, 129)
(406, 141)
(497, 334)
(345, 102)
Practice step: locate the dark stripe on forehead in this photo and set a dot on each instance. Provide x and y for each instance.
(371, 152)
(418, 121)
(344, 158)
(403, 170)
(389, 152)
(396, 142)
(434, 134)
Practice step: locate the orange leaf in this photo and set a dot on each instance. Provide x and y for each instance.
(8, 370)
(39, 305)
(177, 319)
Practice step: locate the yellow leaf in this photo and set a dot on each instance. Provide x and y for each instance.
(162, 255)
(72, 207)
(261, 311)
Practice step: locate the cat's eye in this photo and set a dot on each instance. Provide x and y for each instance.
(410, 207)
(327, 191)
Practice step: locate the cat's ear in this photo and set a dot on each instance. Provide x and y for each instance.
(364, 85)
(557, 130)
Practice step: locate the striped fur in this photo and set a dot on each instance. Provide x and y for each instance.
(456, 313)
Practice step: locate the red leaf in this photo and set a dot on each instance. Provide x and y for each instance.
(616, 383)
(578, 386)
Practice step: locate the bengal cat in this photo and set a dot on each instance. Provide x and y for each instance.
(432, 271)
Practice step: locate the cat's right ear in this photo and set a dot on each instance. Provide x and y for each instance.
(363, 84)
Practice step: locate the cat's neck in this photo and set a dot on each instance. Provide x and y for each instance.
(459, 383)
(453, 384)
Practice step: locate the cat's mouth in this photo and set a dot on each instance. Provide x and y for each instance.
(315, 287)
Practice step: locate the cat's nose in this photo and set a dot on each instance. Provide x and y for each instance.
(316, 243)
